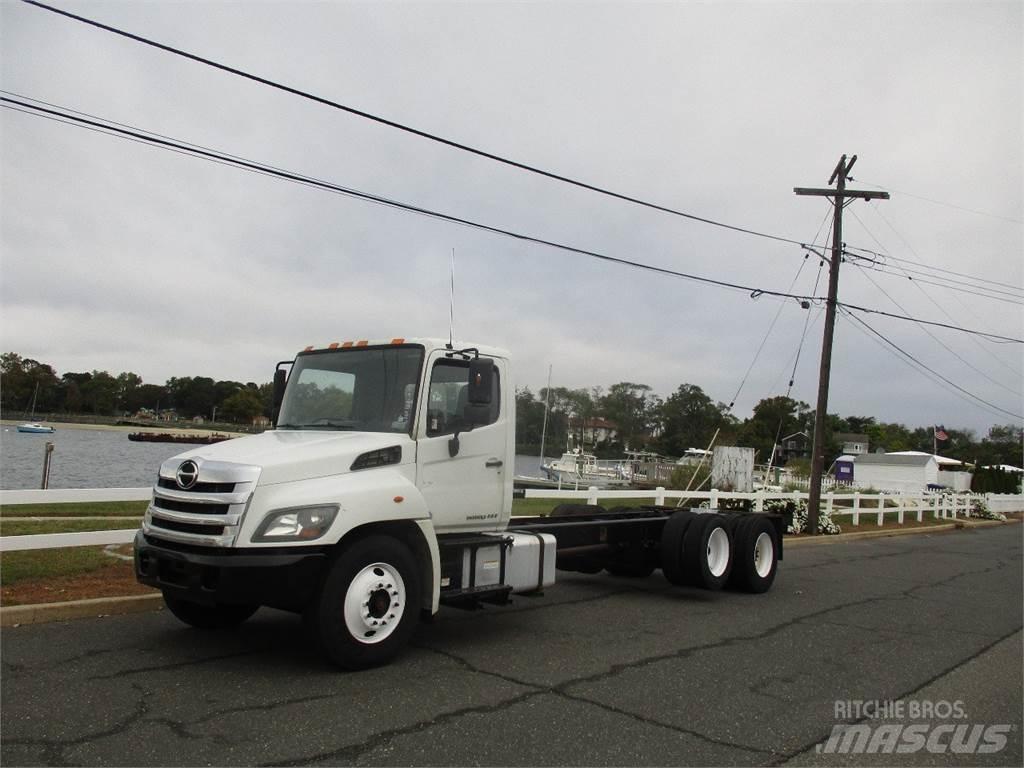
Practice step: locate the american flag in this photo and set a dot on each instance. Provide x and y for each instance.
(940, 433)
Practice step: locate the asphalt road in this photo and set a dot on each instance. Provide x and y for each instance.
(600, 671)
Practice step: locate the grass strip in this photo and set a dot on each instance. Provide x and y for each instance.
(18, 567)
(28, 527)
(76, 509)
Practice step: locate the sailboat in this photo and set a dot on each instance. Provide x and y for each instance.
(32, 426)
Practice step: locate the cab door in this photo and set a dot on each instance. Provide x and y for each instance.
(464, 492)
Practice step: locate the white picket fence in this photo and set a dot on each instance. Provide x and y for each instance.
(940, 506)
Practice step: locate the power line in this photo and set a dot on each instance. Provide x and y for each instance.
(907, 274)
(940, 202)
(884, 257)
(407, 128)
(778, 312)
(253, 166)
(957, 274)
(947, 283)
(938, 340)
(881, 259)
(934, 373)
(767, 333)
(977, 342)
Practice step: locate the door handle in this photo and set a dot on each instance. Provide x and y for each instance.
(493, 463)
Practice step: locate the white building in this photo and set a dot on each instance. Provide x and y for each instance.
(895, 472)
(952, 473)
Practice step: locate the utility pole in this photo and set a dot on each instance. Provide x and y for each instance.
(839, 197)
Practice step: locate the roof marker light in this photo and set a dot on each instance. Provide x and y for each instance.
(308, 349)
(346, 344)
(333, 345)
(398, 341)
(362, 343)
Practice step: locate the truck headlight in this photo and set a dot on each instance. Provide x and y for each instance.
(296, 524)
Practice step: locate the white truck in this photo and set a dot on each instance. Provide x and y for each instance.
(384, 491)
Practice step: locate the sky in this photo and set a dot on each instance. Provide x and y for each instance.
(122, 257)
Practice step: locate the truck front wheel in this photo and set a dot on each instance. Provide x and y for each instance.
(201, 616)
(367, 608)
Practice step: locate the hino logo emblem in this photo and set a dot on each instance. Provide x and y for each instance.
(187, 474)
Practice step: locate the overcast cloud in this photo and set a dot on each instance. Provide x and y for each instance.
(120, 256)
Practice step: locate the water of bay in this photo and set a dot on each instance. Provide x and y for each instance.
(93, 458)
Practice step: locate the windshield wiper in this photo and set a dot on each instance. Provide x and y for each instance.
(321, 424)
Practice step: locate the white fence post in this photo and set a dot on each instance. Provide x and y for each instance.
(856, 507)
(592, 495)
(659, 497)
(829, 498)
(881, 508)
(920, 508)
(713, 501)
(900, 505)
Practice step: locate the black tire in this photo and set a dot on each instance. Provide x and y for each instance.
(754, 567)
(709, 552)
(373, 581)
(577, 510)
(672, 545)
(204, 616)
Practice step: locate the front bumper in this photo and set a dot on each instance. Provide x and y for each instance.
(285, 578)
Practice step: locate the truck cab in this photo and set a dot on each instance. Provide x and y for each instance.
(407, 444)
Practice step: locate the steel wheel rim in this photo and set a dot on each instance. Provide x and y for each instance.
(764, 554)
(718, 551)
(374, 603)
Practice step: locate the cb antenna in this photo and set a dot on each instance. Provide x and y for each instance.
(451, 304)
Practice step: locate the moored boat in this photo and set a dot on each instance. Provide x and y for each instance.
(167, 437)
(578, 468)
(35, 428)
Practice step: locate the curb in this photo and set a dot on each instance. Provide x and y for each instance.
(858, 535)
(42, 613)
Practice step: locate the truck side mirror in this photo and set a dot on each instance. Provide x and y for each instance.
(279, 382)
(481, 380)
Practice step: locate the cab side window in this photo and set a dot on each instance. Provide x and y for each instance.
(447, 397)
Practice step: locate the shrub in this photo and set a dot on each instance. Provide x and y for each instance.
(981, 510)
(826, 524)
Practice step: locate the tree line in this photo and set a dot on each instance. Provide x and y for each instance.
(689, 418)
(101, 393)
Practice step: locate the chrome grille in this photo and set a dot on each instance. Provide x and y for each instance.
(199, 487)
(210, 512)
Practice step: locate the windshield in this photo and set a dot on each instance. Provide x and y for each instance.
(371, 389)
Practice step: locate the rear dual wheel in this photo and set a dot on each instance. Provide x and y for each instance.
(696, 550)
(756, 554)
